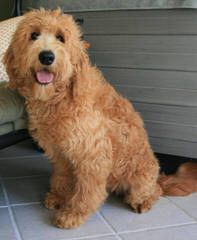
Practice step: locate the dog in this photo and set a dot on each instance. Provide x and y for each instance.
(182, 183)
(92, 135)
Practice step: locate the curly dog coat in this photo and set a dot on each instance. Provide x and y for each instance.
(93, 137)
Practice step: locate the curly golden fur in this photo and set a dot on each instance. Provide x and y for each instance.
(93, 137)
(182, 183)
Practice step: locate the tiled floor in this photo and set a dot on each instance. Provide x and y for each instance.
(24, 178)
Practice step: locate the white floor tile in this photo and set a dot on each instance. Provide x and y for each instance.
(188, 203)
(163, 214)
(21, 149)
(6, 230)
(25, 190)
(173, 218)
(35, 223)
(188, 232)
(100, 238)
(28, 166)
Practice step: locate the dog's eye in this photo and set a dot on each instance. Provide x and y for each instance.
(34, 36)
(60, 38)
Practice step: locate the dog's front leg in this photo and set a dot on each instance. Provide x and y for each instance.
(61, 183)
(89, 190)
(60, 190)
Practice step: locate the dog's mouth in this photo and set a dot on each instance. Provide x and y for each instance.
(44, 77)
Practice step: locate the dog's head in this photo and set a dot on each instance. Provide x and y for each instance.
(44, 54)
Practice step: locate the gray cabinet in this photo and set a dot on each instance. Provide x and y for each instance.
(150, 57)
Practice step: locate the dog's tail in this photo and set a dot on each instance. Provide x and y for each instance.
(182, 183)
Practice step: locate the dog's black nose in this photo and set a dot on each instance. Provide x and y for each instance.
(46, 57)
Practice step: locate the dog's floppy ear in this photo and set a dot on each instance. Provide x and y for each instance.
(8, 61)
(83, 61)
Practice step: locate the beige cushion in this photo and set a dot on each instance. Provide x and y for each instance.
(7, 28)
(12, 108)
(12, 105)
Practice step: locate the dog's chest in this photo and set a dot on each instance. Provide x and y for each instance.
(47, 123)
(65, 129)
(50, 127)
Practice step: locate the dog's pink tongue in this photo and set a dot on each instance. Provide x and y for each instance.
(44, 76)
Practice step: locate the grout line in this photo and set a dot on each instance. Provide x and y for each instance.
(1, 186)
(3, 206)
(185, 211)
(11, 214)
(109, 226)
(119, 237)
(157, 228)
(91, 237)
(24, 204)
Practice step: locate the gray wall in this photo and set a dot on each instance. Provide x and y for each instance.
(6, 7)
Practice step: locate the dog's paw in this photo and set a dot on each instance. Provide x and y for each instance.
(143, 207)
(69, 219)
(52, 201)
